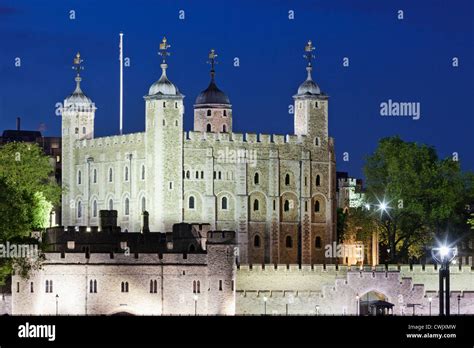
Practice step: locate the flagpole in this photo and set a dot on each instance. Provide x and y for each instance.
(121, 82)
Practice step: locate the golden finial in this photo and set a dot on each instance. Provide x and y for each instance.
(164, 49)
(77, 63)
(309, 48)
(212, 60)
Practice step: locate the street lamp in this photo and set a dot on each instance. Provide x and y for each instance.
(444, 255)
(196, 297)
(358, 305)
(57, 308)
(429, 300)
(265, 299)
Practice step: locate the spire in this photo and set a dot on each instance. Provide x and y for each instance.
(309, 48)
(212, 61)
(163, 52)
(77, 65)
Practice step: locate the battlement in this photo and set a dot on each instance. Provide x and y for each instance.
(131, 138)
(243, 138)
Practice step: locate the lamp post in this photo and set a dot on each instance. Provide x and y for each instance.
(196, 297)
(444, 255)
(265, 299)
(459, 304)
(317, 309)
(358, 305)
(429, 300)
(57, 307)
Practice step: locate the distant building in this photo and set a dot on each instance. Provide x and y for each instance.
(349, 191)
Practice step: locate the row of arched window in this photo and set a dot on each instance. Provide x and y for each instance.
(187, 174)
(209, 113)
(209, 128)
(288, 242)
(94, 213)
(110, 176)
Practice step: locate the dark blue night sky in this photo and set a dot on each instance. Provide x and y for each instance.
(403, 60)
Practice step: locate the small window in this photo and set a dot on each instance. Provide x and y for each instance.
(305, 206)
(209, 128)
(164, 104)
(111, 175)
(126, 173)
(93, 286)
(317, 243)
(224, 203)
(287, 179)
(124, 287)
(316, 141)
(32, 289)
(18, 286)
(176, 123)
(316, 104)
(153, 286)
(143, 204)
(209, 113)
(188, 174)
(191, 202)
(192, 248)
(256, 241)
(202, 174)
(286, 205)
(143, 172)
(318, 180)
(197, 175)
(274, 204)
(317, 206)
(83, 130)
(220, 285)
(164, 122)
(79, 177)
(225, 113)
(171, 185)
(219, 175)
(224, 128)
(289, 242)
(175, 105)
(79, 209)
(256, 179)
(111, 204)
(94, 176)
(76, 130)
(127, 206)
(94, 208)
(255, 205)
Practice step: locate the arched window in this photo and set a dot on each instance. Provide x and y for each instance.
(198, 287)
(202, 174)
(143, 204)
(287, 179)
(164, 122)
(83, 130)
(93, 286)
(188, 174)
(94, 208)
(79, 209)
(316, 206)
(317, 243)
(256, 179)
(127, 206)
(111, 204)
(79, 177)
(197, 174)
(256, 241)
(224, 203)
(192, 248)
(191, 202)
(124, 286)
(111, 175)
(153, 286)
(126, 173)
(94, 176)
(219, 175)
(194, 287)
(49, 286)
(255, 205)
(286, 205)
(316, 141)
(225, 113)
(176, 123)
(209, 128)
(318, 180)
(209, 112)
(224, 128)
(164, 104)
(289, 242)
(143, 172)
(76, 130)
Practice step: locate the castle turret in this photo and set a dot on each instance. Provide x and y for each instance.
(212, 109)
(311, 106)
(164, 147)
(78, 113)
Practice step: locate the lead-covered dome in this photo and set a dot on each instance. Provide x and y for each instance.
(212, 95)
(309, 87)
(163, 86)
(78, 97)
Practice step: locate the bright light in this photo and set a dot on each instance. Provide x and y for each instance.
(265, 299)
(383, 206)
(196, 297)
(443, 251)
(367, 206)
(430, 299)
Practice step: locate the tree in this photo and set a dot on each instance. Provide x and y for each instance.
(426, 196)
(28, 192)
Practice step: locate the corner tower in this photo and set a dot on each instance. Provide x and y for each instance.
(212, 109)
(311, 106)
(78, 113)
(164, 149)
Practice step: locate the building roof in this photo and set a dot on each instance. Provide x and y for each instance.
(212, 95)
(163, 86)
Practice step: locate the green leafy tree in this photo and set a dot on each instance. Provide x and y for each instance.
(425, 195)
(28, 192)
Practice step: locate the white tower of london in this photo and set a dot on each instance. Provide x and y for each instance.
(277, 192)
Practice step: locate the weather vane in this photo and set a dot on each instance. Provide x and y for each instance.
(212, 60)
(78, 63)
(309, 48)
(164, 49)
